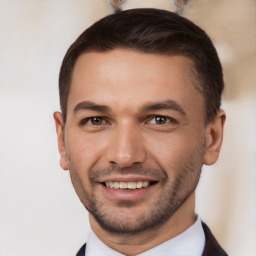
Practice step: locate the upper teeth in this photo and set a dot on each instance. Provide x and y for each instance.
(127, 185)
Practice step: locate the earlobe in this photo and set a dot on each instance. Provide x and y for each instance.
(59, 124)
(214, 137)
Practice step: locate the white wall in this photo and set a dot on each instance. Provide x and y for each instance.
(39, 211)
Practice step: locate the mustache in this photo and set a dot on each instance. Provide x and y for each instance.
(154, 173)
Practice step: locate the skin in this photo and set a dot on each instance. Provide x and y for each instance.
(151, 127)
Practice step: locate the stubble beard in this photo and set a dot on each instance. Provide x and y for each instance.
(172, 197)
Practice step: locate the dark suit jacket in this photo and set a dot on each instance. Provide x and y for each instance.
(211, 248)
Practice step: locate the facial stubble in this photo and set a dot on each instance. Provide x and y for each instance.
(175, 192)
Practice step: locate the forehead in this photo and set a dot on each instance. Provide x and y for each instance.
(127, 78)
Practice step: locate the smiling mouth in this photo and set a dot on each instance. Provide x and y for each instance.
(131, 185)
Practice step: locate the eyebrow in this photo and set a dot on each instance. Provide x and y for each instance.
(167, 104)
(89, 105)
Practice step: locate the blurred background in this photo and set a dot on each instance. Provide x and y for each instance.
(40, 215)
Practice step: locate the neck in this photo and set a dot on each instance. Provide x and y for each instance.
(181, 220)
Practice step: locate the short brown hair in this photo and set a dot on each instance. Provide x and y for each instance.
(150, 31)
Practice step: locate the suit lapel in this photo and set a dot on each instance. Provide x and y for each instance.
(81, 252)
(212, 247)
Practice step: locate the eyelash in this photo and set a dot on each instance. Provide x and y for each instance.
(104, 119)
(86, 120)
(167, 118)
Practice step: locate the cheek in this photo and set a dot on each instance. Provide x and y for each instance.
(173, 151)
(81, 157)
(84, 150)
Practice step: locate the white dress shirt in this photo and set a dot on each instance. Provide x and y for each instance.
(189, 243)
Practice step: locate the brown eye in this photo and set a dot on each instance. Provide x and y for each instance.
(160, 120)
(96, 120)
(93, 121)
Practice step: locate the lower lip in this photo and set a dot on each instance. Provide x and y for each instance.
(126, 195)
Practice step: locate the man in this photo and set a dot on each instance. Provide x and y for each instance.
(140, 95)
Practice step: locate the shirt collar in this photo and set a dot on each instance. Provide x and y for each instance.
(190, 242)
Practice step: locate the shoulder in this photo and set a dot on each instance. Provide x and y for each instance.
(212, 247)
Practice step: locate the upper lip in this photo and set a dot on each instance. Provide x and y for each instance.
(127, 178)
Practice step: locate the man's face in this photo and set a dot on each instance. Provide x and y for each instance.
(134, 138)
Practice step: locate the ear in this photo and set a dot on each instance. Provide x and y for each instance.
(61, 141)
(214, 137)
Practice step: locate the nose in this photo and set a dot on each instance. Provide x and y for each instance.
(126, 147)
